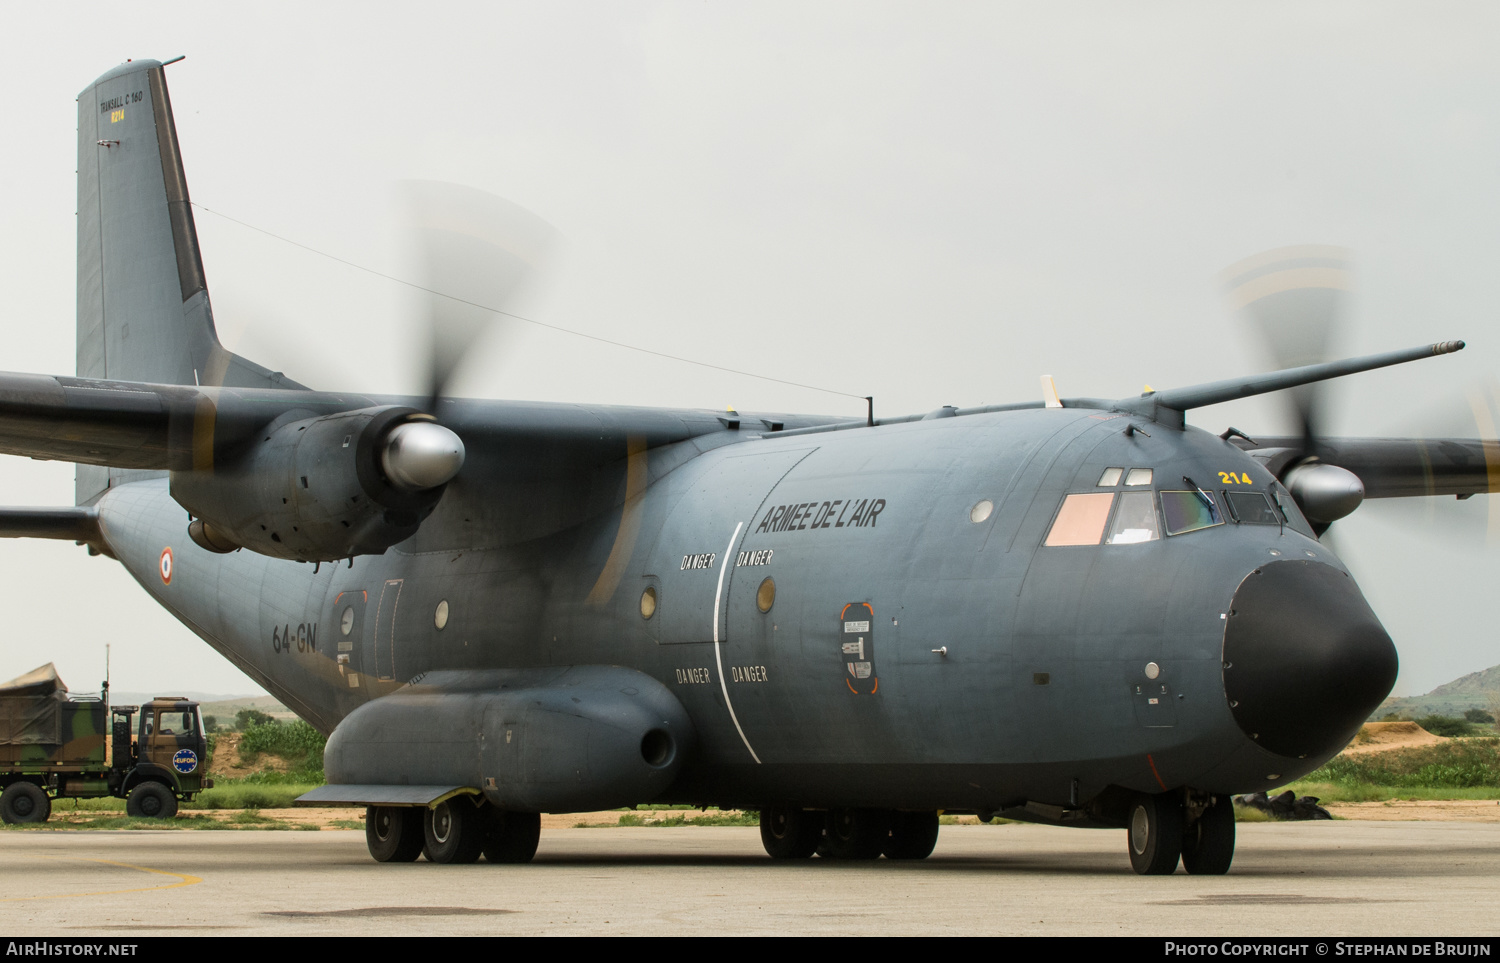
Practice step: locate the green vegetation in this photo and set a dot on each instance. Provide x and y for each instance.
(246, 718)
(261, 791)
(708, 817)
(1249, 814)
(1448, 726)
(1461, 769)
(297, 742)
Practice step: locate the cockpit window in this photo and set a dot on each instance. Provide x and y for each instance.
(1138, 476)
(1189, 511)
(1111, 477)
(1252, 508)
(1135, 520)
(1081, 519)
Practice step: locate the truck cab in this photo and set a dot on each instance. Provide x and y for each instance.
(170, 746)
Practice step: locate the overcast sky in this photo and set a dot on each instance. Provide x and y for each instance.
(930, 203)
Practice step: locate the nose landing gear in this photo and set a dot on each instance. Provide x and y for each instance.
(1196, 828)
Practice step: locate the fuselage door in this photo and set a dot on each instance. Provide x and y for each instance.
(384, 667)
(353, 652)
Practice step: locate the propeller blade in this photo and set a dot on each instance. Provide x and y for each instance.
(1294, 299)
(475, 254)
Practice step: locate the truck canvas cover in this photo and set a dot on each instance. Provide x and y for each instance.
(31, 708)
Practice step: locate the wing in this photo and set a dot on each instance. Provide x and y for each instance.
(1398, 467)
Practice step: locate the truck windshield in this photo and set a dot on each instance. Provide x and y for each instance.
(177, 723)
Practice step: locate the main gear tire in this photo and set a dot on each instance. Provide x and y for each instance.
(855, 833)
(1208, 842)
(510, 837)
(24, 802)
(394, 833)
(1153, 834)
(913, 835)
(790, 833)
(453, 832)
(151, 800)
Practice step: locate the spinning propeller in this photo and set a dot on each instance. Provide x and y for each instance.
(1295, 300)
(473, 255)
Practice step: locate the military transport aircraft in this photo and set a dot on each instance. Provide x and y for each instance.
(1075, 611)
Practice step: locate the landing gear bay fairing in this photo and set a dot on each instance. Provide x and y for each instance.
(1075, 611)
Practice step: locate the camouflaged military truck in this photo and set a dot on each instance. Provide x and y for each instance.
(56, 746)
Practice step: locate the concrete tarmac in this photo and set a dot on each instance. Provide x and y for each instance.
(1315, 879)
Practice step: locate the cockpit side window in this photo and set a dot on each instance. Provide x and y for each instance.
(1251, 508)
(1081, 519)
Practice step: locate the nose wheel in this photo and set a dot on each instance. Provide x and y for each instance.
(1208, 841)
(1154, 834)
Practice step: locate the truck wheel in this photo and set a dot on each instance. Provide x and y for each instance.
(393, 833)
(24, 802)
(151, 800)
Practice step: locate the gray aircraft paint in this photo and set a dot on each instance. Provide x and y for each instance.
(1004, 608)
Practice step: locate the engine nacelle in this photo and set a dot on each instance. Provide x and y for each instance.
(323, 488)
(572, 739)
(1325, 493)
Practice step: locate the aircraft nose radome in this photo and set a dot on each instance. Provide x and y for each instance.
(1305, 660)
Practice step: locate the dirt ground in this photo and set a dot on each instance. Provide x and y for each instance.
(227, 764)
(1384, 736)
(1427, 810)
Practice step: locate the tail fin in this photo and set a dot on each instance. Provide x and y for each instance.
(143, 308)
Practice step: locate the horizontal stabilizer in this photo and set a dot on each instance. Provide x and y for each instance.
(73, 524)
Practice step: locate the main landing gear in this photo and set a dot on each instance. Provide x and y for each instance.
(457, 830)
(1165, 828)
(848, 833)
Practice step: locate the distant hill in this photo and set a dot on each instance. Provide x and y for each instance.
(212, 704)
(1477, 690)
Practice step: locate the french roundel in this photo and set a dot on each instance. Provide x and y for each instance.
(166, 566)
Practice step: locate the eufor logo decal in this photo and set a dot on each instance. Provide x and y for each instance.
(185, 761)
(166, 566)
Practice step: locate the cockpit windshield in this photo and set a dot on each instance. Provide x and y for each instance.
(1189, 511)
